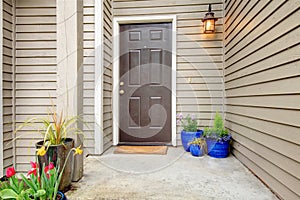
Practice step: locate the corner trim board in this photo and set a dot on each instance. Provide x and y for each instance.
(98, 100)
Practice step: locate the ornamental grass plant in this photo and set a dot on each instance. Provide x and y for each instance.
(54, 128)
(201, 143)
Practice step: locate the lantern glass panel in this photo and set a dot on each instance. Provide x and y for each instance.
(209, 25)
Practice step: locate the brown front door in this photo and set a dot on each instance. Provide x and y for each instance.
(145, 83)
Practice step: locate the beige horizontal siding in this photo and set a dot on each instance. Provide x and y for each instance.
(35, 71)
(199, 56)
(88, 74)
(107, 74)
(262, 76)
(8, 83)
(158, 8)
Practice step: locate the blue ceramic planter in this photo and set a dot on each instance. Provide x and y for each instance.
(62, 195)
(187, 137)
(195, 150)
(218, 149)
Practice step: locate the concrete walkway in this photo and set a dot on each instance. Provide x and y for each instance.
(177, 175)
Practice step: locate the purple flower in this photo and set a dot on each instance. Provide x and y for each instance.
(178, 122)
(193, 117)
(180, 116)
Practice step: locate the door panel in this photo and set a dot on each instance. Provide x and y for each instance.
(145, 83)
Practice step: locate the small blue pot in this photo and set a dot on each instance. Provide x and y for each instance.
(62, 195)
(196, 150)
(218, 149)
(187, 137)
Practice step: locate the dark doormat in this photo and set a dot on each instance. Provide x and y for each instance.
(160, 150)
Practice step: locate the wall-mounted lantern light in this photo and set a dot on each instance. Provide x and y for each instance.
(209, 21)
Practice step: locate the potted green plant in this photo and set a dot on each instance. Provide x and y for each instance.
(217, 138)
(198, 147)
(190, 129)
(56, 144)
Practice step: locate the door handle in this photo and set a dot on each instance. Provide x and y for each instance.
(121, 83)
(122, 92)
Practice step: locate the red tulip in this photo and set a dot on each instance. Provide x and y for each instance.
(47, 168)
(51, 166)
(10, 172)
(33, 168)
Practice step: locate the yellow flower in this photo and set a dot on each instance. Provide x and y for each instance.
(78, 150)
(41, 151)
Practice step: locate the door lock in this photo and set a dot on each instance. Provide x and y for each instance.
(121, 83)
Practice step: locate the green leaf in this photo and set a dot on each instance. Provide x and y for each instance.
(39, 193)
(21, 186)
(29, 183)
(12, 184)
(8, 194)
(4, 185)
(30, 191)
(44, 180)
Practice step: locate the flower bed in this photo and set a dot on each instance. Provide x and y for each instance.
(38, 184)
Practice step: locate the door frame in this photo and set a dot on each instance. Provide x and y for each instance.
(116, 49)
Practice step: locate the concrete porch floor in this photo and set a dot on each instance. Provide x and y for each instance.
(177, 175)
